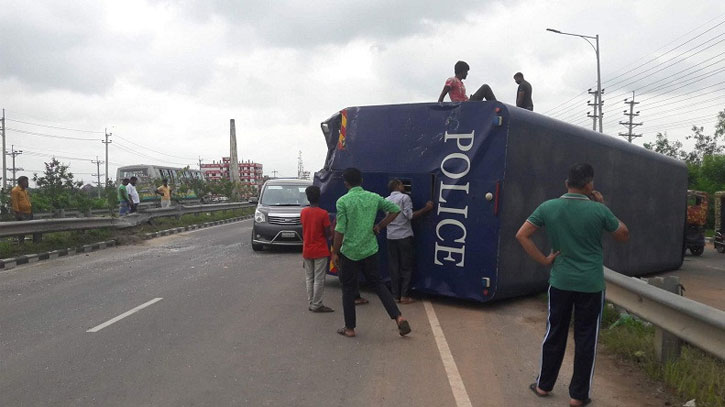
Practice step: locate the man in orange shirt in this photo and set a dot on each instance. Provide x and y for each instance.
(22, 208)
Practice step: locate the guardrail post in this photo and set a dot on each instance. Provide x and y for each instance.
(667, 346)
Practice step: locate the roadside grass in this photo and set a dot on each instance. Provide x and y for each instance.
(695, 375)
(9, 247)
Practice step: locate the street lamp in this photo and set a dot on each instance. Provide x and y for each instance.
(598, 96)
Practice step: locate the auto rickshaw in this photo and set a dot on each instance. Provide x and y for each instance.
(696, 219)
(719, 240)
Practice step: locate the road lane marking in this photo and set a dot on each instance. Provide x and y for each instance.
(454, 377)
(124, 315)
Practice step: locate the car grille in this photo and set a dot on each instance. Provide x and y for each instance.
(279, 220)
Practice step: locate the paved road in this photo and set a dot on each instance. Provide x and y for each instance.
(704, 277)
(231, 329)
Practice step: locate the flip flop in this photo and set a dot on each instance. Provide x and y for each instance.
(361, 301)
(533, 386)
(404, 328)
(584, 403)
(344, 332)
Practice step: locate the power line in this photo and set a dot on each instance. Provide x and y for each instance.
(32, 133)
(55, 127)
(155, 151)
(131, 151)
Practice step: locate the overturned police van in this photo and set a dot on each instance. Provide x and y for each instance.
(487, 166)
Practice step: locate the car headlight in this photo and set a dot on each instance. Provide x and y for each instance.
(259, 216)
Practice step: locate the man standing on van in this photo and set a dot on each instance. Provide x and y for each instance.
(523, 94)
(574, 224)
(355, 248)
(401, 248)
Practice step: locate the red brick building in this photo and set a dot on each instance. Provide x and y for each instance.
(250, 173)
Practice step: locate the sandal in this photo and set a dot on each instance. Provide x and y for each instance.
(533, 386)
(361, 301)
(404, 328)
(583, 403)
(349, 333)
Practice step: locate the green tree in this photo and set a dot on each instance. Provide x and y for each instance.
(663, 146)
(56, 185)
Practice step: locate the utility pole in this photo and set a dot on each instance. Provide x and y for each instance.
(107, 142)
(630, 124)
(595, 105)
(199, 163)
(98, 174)
(274, 173)
(15, 153)
(5, 166)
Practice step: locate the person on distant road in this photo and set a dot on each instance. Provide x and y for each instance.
(355, 248)
(315, 249)
(456, 90)
(574, 224)
(165, 192)
(133, 194)
(401, 247)
(523, 94)
(124, 202)
(21, 205)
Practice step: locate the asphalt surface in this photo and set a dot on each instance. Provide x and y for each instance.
(703, 277)
(232, 329)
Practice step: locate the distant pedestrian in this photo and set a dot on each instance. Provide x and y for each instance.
(401, 247)
(21, 205)
(523, 94)
(133, 194)
(574, 224)
(315, 249)
(165, 191)
(456, 90)
(355, 249)
(124, 202)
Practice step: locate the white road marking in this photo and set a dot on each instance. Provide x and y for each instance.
(454, 377)
(124, 315)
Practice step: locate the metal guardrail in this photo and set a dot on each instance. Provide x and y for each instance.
(134, 219)
(697, 324)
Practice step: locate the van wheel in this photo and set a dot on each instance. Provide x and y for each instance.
(697, 250)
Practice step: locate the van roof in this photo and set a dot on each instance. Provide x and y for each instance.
(288, 181)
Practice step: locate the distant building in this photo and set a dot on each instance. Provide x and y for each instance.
(250, 172)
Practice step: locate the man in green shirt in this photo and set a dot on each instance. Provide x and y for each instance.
(124, 200)
(574, 224)
(355, 248)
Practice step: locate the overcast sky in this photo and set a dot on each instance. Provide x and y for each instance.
(166, 76)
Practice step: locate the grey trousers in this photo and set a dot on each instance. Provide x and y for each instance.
(315, 271)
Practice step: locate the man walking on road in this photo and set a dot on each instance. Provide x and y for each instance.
(574, 224)
(133, 194)
(355, 248)
(523, 94)
(165, 192)
(22, 207)
(124, 202)
(401, 247)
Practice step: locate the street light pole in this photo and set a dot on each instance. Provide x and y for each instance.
(598, 97)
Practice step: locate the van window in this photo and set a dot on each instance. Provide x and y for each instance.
(284, 195)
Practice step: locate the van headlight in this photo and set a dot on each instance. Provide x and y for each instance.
(259, 216)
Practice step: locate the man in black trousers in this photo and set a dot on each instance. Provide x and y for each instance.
(574, 224)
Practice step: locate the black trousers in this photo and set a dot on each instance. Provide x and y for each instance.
(349, 272)
(587, 309)
(401, 254)
(484, 92)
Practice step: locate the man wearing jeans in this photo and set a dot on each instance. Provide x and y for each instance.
(401, 249)
(574, 224)
(355, 248)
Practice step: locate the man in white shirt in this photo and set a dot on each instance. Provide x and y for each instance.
(401, 249)
(133, 194)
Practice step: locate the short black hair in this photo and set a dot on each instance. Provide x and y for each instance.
(580, 175)
(125, 180)
(166, 180)
(133, 178)
(461, 67)
(394, 184)
(519, 75)
(352, 176)
(313, 194)
(22, 178)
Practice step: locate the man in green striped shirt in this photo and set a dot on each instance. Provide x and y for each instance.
(355, 248)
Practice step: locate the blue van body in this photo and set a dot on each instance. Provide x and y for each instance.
(487, 166)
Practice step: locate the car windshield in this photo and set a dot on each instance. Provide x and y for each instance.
(284, 195)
